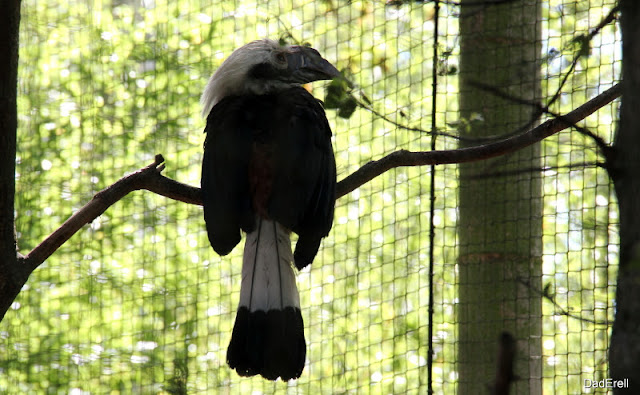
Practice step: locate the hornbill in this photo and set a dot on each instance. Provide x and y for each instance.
(268, 170)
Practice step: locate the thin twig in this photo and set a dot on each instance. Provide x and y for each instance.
(540, 109)
(408, 158)
(559, 309)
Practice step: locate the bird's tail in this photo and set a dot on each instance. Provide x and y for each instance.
(268, 336)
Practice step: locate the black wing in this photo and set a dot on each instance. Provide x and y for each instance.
(225, 190)
(288, 134)
(303, 193)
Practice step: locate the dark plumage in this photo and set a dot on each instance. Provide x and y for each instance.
(271, 155)
(268, 169)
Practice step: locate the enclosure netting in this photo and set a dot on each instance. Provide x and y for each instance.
(138, 302)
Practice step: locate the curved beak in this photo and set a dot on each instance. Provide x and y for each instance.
(305, 65)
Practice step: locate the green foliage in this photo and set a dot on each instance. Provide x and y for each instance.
(339, 98)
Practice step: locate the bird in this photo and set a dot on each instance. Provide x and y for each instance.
(268, 170)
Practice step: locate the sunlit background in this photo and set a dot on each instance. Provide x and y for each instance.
(138, 302)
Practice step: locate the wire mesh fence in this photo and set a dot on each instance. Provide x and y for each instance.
(139, 302)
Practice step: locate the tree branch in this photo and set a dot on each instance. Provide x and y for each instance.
(150, 179)
(485, 151)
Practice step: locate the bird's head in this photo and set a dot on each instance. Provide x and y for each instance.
(262, 67)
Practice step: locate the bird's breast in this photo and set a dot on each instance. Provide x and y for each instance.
(261, 176)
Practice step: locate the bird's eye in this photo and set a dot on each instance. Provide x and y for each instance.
(280, 58)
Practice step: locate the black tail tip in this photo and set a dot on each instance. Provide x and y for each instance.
(270, 344)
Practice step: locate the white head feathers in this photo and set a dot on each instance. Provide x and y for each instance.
(227, 80)
(264, 66)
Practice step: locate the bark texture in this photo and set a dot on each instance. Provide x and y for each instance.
(624, 351)
(11, 276)
(500, 207)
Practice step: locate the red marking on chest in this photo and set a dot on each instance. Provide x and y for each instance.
(261, 177)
